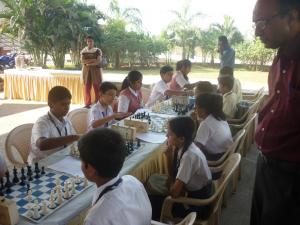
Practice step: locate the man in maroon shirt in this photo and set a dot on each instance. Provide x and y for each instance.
(276, 197)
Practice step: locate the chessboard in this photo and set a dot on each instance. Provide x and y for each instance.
(39, 195)
(131, 147)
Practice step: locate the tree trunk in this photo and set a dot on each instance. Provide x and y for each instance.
(117, 60)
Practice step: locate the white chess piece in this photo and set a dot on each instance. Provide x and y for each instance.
(51, 204)
(36, 213)
(85, 182)
(29, 212)
(73, 192)
(44, 207)
(66, 186)
(57, 181)
(59, 198)
(77, 179)
(29, 195)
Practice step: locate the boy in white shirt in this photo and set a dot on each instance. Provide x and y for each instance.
(237, 87)
(53, 131)
(161, 91)
(101, 114)
(118, 199)
(230, 100)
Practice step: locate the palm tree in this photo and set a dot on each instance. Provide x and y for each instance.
(183, 28)
(131, 16)
(229, 30)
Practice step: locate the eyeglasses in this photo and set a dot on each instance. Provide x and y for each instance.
(262, 24)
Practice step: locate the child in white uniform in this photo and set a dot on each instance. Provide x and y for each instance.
(188, 169)
(213, 136)
(117, 199)
(101, 114)
(161, 91)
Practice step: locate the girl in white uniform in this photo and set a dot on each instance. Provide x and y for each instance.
(188, 169)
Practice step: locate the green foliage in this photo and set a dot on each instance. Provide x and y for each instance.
(254, 54)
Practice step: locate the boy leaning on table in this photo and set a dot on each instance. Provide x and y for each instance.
(53, 131)
(118, 199)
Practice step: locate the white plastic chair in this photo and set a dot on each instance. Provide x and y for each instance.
(18, 144)
(78, 118)
(188, 220)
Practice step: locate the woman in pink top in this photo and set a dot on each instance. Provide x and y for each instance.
(180, 80)
(130, 98)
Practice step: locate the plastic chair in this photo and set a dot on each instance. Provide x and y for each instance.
(188, 220)
(18, 144)
(254, 97)
(78, 118)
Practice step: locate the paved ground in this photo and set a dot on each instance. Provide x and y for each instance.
(16, 112)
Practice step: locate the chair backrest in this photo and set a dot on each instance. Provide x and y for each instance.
(231, 165)
(189, 219)
(18, 144)
(79, 120)
(236, 140)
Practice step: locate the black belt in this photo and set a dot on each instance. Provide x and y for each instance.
(287, 166)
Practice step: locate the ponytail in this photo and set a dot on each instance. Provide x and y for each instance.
(132, 77)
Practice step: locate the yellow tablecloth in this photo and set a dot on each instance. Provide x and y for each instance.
(35, 84)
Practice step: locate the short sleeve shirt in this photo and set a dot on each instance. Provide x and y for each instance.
(127, 204)
(230, 104)
(193, 170)
(214, 134)
(157, 93)
(48, 126)
(98, 112)
(181, 81)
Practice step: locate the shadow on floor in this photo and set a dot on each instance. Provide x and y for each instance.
(17, 108)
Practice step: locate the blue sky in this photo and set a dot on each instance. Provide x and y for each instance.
(156, 14)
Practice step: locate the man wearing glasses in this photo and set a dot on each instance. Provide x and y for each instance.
(276, 197)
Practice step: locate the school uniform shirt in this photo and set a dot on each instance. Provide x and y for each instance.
(97, 112)
(126, 204)
(178, 81)
(130, 100)
(214, 134)
(237, 89)
(48, 126)
(230, 104)
(157, 93)
(193, 170)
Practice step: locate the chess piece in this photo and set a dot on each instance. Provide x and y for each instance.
(77, 180)
(36, 168)
(30, 177)
(66, 193)
(73, 191)
(8, 183)
(37, 175)
(44, 207)
(29, 195)
(23, 174)
(15, 179)
(138, 143)
(43, 170)
(66, 186)
(85, 182)
(29, 213)
(36, 213)
(51, 200)
(59, 198)
(57, 181)
(29, 171)
(1, 187)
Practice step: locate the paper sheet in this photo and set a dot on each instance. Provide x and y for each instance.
(69, 165)
(152, 137)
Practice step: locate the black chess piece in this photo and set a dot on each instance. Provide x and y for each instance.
(8, 183)
(36, 168)
(23, 177)
(29, 170)
(37, 174)
(43, 170)
(15, 179)
(1, 187)
(30, 177)
(28, 187)
(138, 143)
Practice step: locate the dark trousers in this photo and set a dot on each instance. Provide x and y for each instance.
(276, 195)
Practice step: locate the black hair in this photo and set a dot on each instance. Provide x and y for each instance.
(104, 149)
(166, 69)
(106, 86)
(58, 93)
(89, 37)
(132, 77)
(183, 126)
(226, 70)
(286, 5)
(183, 63)
(212, 103)
(223, 39)
(226, 81)
(204, 87)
